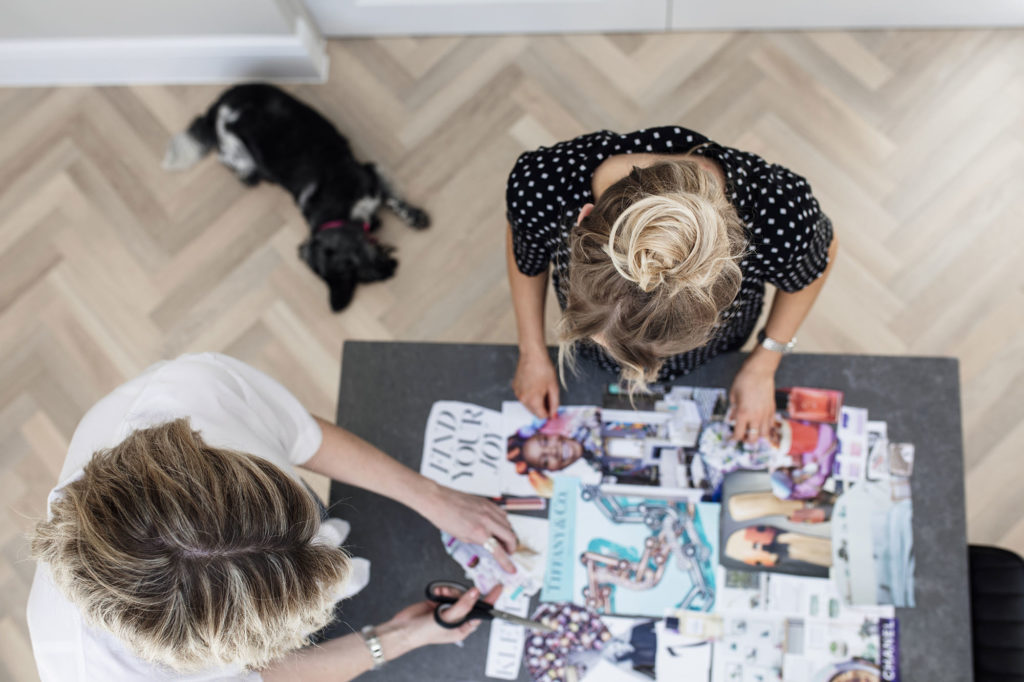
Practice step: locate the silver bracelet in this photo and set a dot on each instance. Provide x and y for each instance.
(369, 634)
(771, 344)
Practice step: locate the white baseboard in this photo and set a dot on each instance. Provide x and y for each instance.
(300, 56)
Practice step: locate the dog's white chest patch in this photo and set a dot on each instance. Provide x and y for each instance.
(364, 209)
(232, 151)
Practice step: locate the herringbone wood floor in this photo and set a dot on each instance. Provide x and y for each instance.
(913, 141)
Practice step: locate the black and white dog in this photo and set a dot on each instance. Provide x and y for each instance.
(263, 133)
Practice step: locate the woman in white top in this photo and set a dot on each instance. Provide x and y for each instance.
(180, 543)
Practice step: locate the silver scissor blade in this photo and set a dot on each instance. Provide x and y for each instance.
(516, 620)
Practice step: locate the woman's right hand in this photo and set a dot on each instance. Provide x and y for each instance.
(536, 384)
(415, 627)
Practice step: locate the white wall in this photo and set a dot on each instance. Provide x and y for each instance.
(93, 42)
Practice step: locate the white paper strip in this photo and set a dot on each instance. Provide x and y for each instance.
(505, 648)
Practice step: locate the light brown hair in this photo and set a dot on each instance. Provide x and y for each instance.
(652, 268)
(191, 555)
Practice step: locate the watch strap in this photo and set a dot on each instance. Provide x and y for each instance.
(369, 634)
(771, 344)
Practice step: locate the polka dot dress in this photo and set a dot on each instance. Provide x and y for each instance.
(577, 630)
(787, 233)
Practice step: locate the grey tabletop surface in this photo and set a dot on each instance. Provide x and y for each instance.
(387, 390)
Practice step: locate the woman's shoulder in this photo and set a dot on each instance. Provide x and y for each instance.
(789, 234)
(670, 139)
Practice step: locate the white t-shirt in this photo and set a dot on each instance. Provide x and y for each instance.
(234, 407)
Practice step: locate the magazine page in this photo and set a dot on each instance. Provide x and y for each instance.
(505, 646)
(565, 655)
(632, 554)
(749, 649)
(506, 641)
(762, 532)
(857, 649)
(681, 657)
(686, 411)
(852, 458)
(788, 596)
(464, 447)
(799, 451)
(483, 570)
(591, 647)
(872, 531)
(777, 627)
(633, 445)
(538, 450)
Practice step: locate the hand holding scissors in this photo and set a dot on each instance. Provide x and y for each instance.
(447, 592)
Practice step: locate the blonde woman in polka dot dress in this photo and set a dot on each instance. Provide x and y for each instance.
(659, 244)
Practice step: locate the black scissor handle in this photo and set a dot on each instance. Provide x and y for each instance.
(441, 608)
(434, 587)
(480, 610)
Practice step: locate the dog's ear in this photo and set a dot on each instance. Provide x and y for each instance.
(324, 257)
(376, 264)
(342, 285)
(316, 253)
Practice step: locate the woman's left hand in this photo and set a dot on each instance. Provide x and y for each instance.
(752, 399)
(471, 518)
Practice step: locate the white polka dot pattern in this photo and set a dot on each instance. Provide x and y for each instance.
(788, 235)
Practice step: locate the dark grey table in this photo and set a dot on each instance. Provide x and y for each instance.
(386, 393)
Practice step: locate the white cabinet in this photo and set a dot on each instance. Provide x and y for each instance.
(441, 17)
(842, 14)
(61, 42)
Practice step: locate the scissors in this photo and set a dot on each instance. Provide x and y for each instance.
(481, 610)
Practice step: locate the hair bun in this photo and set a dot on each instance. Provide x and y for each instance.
(672, 240)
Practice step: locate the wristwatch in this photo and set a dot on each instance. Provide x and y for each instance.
(771, 344)
(369, 634)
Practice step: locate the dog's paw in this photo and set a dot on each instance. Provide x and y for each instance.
(183, 152)
(418, 219)
(249, 179)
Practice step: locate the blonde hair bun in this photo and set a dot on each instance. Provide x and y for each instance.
(675, 240)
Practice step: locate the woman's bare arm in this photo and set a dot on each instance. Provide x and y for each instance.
(753, 390)
(535, 383)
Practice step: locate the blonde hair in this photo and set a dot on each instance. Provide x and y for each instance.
(652, 268)
(191, 555)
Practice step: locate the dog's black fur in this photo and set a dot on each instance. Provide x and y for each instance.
(265, 134)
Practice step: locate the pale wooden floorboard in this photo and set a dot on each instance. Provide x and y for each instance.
(913, 141)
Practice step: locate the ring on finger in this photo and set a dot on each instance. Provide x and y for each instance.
(491, 545)
(753, 431)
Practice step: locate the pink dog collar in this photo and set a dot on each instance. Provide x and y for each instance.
(334, 224)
